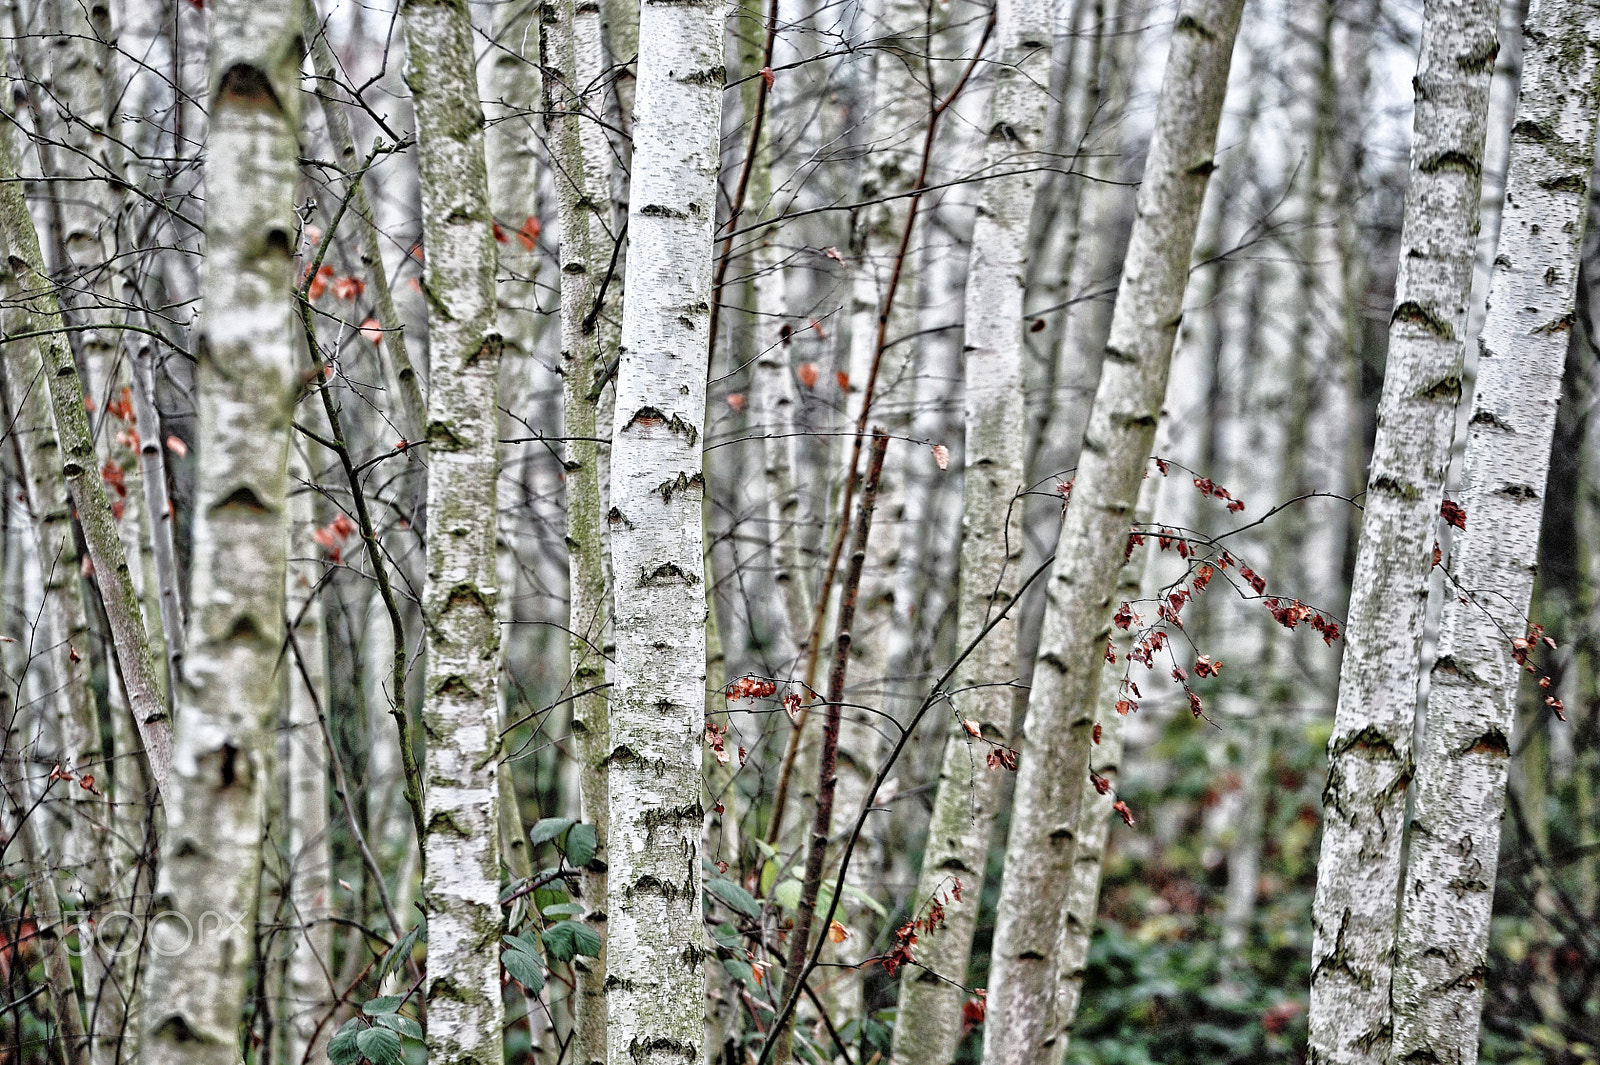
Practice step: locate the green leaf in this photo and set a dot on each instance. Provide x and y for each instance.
(564, 909)
(769, 875)
(526, 969)
(560, 941)
(526, 944)
(400, 953)
(587, 940)
(402, 1024)
(379, 1046)
(549, 896)
(787, 894)
(581, 844)
(342, 1049)
(386, 1004)
(548, 828)
(727, 937)
(569, 938)
(739, 970)
(738, 899)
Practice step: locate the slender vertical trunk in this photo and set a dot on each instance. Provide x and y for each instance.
(1089, 554)
(46, 359)
(579, 152)
(1135, 581)
(656, 979)
(1370, 764)
(930, 1016)
(308, 986)
(38, 866)
(1441, 955)
(461, 707)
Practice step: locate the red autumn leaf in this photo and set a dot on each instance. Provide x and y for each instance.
(736, 400)
(1126, 706)
(1122, 808)
(528, 235)
(1453, 513)
(816, 327)
(1124, 618)
(1163, 466)
(1101, 784)
(973, 1011)
(1257, 582)
(833, 253)
(791, 706)
(807, 372)
(373, 331)
(348, 288)
(500, 234)
(768, 76)
(1204, 667)
(941, 456)
(843, 379)
(1095, 732)
(319, 283)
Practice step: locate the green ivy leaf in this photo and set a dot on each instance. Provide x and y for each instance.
(548, 828)
(581, 843)
(564, 909)
(526, 969)
(402, 1024)
(342, 1048)
(386, 1004)
(737, 898)
(379, 1046)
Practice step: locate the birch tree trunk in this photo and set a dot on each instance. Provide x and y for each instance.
(656, 980)
(1369, 753)
(574, 104)
(233, 683)
(461, 707)
(1135, 581)
(1441, 956)
(1089, 553)
(930, 1023)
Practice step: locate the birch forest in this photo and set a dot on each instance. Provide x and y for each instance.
(838, 532)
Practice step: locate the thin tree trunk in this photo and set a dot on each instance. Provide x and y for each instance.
(308, 985)
(1369, 753)
(461, 706)
(233, 683)
(656, 979)
(1441, 956)
(50, 360)
(930, 1021)
(1135, 582)
(572, 56)
(1089, 554)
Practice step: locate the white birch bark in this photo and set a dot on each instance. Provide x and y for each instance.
(929, 1024)
(1441, 956)
(232, 688)
(1370, 762)
(1135, 582)
(1089, 553)
(572, 57)
(461, 708)
(656, 980)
